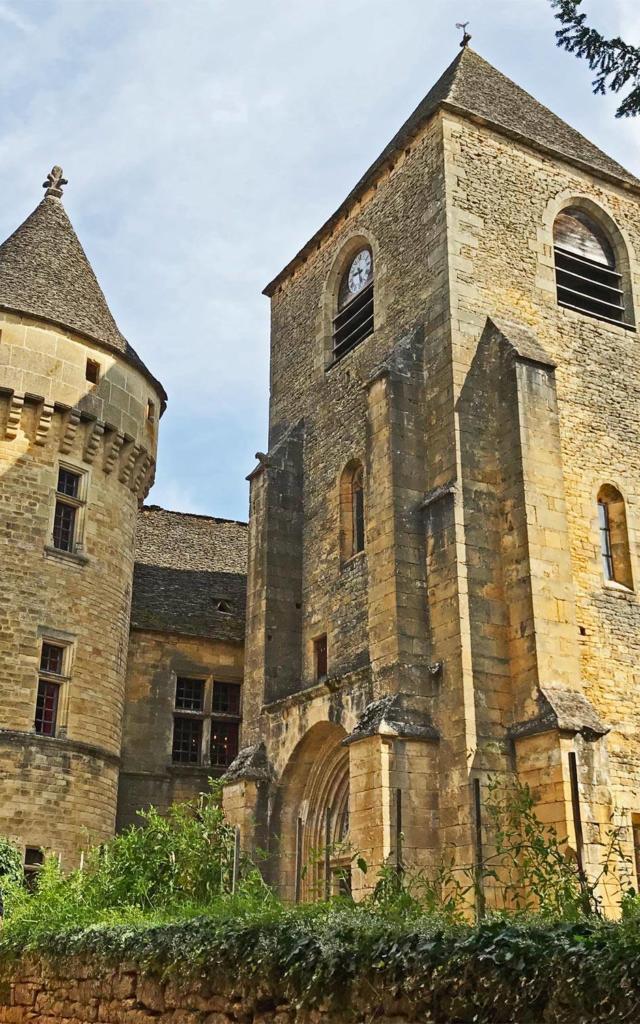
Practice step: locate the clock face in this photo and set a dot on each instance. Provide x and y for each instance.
(359, 272)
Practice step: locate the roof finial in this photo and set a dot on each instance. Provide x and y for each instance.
(54, 182)
(466, 36)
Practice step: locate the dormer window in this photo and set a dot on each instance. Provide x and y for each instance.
(587, 277)
(354, 318)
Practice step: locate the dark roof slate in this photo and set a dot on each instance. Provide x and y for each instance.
(185, 564)
(44, 272)
(472, 87)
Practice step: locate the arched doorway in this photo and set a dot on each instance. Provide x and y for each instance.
(311, 816)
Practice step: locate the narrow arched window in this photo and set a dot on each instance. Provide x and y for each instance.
(357, 510)
(351, 510)
(587, 278)
(614, 540)
(353, 321)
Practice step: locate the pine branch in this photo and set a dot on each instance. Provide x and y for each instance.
(615, 62)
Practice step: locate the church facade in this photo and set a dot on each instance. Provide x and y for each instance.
(442, 541)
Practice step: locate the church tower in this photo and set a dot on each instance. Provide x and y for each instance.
(79, 416)
(443, 551)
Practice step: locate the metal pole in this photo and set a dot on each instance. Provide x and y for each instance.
(575, 806)
(327, 854)
(236, 859)
(399, 867)
(299, 834)
(477, 806)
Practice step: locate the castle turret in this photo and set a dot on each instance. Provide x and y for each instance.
(79, 418)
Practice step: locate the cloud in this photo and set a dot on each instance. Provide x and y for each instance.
(205, 141)
(10, 16)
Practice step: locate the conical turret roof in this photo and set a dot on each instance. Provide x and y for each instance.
(473, 88)
(45, 273)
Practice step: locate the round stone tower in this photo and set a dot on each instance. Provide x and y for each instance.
(79, 416)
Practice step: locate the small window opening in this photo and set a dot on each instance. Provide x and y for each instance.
(187, 728)
(353, 321)
(67, 508)
(50, 680)
(352, 524)
(33, 864)
(189, 694)
(223, 606)
(224, 743)
(187, 740)
(92, 372)
(151, 411)
(226, 698)
(587, 278)
(320, 657)
(357, 511)
(614, 542)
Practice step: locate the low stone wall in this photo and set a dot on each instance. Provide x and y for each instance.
(86, 992)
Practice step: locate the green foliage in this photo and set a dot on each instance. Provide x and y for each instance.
(160, 897)
(615, 62)
(10, 863)
(170, 867)
(531, 867)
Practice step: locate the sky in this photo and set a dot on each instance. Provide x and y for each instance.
(206, 140)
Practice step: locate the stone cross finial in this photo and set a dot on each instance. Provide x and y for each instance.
(54, 182)
(466, 36)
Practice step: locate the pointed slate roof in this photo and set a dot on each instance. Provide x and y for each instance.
(44, 272)
(473, 88)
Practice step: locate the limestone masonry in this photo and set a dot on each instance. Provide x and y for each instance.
(441, 561)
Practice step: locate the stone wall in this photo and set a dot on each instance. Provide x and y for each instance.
(88, 993)
(155, 660)
(59, 793)
(487, 418)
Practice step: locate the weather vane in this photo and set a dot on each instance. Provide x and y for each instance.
(466, 36)
(54, 182)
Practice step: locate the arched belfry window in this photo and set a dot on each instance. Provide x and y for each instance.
(614, 539)
(353, 321)
(587, 277)
(351, 510)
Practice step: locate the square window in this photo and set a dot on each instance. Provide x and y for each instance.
(224, 743)
(187, 740)
(51, 658)
(68, 483)
(320, 657)
(226, 698)
(92, 372)
(46, 708)
(189, 694)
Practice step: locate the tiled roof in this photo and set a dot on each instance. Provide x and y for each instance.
(185, 565)
(44, 272)
(472, 87)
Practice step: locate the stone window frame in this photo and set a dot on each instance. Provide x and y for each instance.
(206, 715)
(348, 474)
(612, 496)
(626, 262)
(347, 248)
(66, 642)
(77, 552)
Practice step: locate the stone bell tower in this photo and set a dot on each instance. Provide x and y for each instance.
(79, 415)
(443, 535)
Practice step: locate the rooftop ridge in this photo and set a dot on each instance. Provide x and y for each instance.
(471, 87)
(192, 515)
